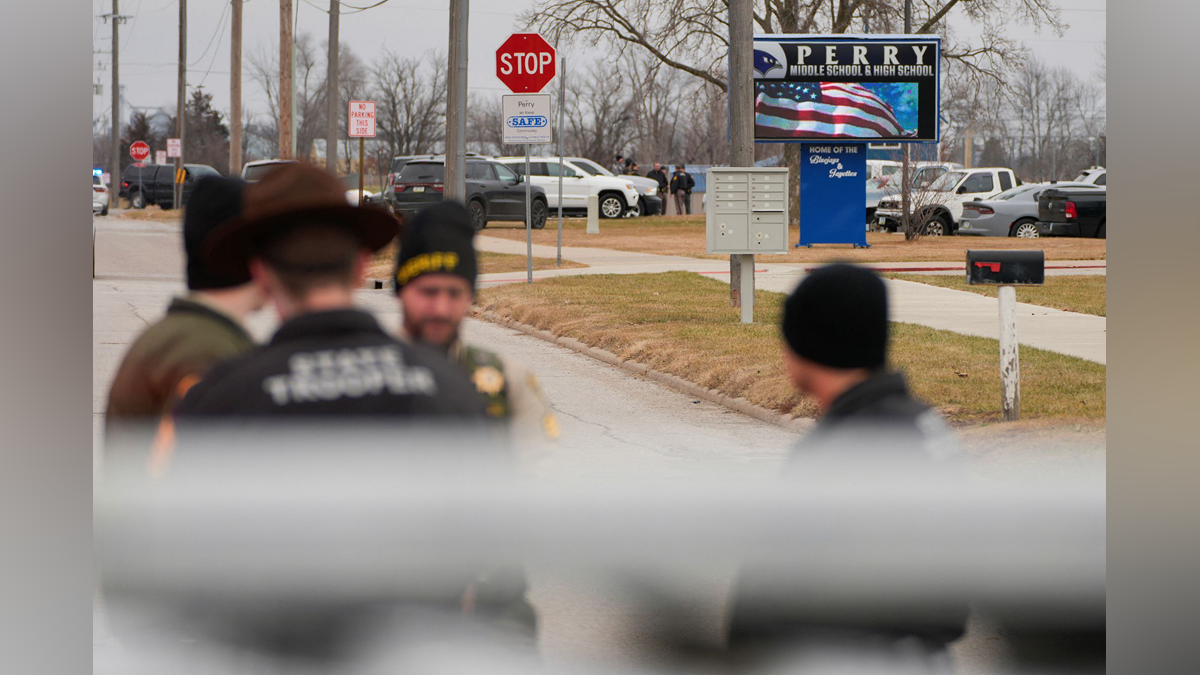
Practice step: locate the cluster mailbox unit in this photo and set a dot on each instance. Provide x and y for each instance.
(747, 210)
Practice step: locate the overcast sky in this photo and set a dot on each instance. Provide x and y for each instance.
(149, 44)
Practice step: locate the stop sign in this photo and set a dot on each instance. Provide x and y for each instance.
(139, 151)
(525, 63)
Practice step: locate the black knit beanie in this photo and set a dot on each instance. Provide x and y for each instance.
(213, 201)
(838, 317)
(440, 239)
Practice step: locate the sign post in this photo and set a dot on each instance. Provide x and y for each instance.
(362, 126)
(525, 63)
(175, 149)
(562, 95)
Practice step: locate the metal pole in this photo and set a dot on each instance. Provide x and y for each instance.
(1010, 364)
(115, 163)
(331, 95)
(181, 110)
(455, 182)
(562, 95)
(741, 136)
(362, 142)
(905, 188)
(528, 219)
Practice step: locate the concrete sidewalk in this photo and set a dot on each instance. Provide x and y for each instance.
(1071, 333)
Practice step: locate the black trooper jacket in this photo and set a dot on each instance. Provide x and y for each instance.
(338, 362)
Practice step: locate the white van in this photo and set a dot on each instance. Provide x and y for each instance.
(617, 194)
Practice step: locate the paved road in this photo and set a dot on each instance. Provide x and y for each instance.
(612, 423)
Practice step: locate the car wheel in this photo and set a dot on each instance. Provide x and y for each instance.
(537, 214)
(1025, 229)
(478, 213)
(640, 210)
(1101, 233)
(936, 227)
(611, 206)
(137, 200)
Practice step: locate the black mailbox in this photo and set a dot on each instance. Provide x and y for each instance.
(1006, 268)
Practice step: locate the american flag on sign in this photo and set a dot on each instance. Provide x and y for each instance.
(824, 109)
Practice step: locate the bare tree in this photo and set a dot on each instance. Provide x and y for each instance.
(411, 95)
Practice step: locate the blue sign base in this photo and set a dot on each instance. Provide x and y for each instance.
(833, 194)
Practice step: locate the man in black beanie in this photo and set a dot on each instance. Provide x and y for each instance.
(198, 330)
(435, 281)
(835, 330)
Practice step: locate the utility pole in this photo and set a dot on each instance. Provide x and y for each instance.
(331, 91)
(235, 91)
(115, 161)
(905, 188)
(456, 103)
(181, 109)
(741, 137)
(286, 73)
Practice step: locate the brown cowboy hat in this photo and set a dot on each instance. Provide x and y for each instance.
(291, 195)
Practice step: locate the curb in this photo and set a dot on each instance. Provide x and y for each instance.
(736, 404)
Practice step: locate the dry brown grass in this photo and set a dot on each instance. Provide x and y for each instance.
(1086, 293)
(489, 263)
(681, 323)
(152, 212)
(676, 235)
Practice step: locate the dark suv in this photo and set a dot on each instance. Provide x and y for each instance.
(155, 183)
(494, 192)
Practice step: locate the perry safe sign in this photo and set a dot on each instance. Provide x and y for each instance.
(846, 88)
(527, 119)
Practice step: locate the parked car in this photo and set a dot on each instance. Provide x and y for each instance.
(649, 203)
(397, 166)
(940, 206)
(252, 172)
(1012, 213)
(617, 194)
(1073, 212)
(99, 194)
(882, 186)
(494, 191)
(155, 183)
(1093, 176)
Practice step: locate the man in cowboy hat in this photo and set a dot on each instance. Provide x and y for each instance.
(199, 329)
(307, 250)
(435, 281)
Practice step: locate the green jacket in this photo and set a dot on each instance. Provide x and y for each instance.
(168, 357)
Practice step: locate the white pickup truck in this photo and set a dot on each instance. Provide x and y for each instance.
(939, 207)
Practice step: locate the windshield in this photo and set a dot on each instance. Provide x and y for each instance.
(590, 167)
(1009, 194)
(947, 181)
(422, 172)
(257, 171)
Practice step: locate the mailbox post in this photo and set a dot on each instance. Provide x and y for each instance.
(1007, 269)
(747, 214)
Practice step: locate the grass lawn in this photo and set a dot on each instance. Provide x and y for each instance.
(681, 323)
(684, 235)
(1086, 293)
(152, 212)
(385, 262)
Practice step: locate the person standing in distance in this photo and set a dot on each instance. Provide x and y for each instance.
(435, 278)
(199, 329)
(681, 187)
(307, 250)
(618, 165)
(659, 174)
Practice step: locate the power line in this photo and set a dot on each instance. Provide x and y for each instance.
(220, 28)
(212, 61)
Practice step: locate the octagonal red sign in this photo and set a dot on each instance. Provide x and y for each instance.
(139, 151)
(525, 63)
